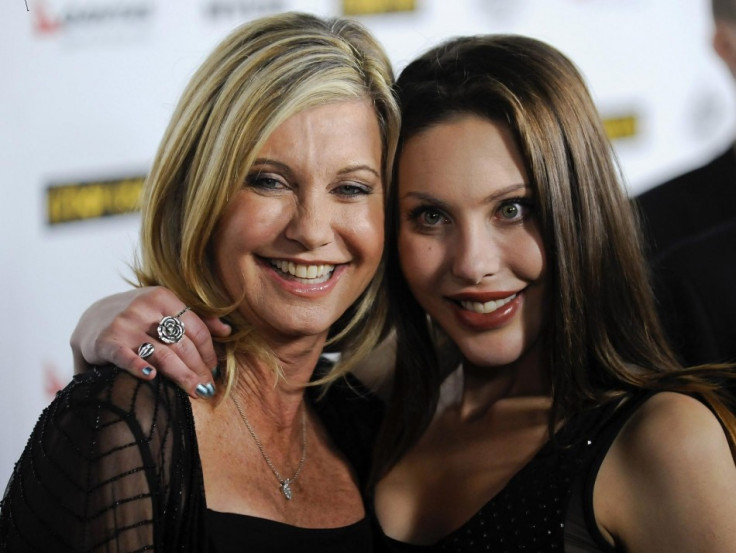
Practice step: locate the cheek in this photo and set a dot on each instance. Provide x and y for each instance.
(420, 261)
(252, 223)
(531, 266)
(366, 230)
(245, 227)
(531, 254)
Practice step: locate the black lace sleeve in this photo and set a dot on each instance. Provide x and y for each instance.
(112, 465)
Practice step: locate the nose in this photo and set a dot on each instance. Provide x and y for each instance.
(311, 223)
(476, 254)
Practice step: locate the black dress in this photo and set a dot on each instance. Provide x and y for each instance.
(113, 465)
(548, 504)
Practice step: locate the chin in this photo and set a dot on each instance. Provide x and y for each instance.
(490, 360)
(492, 353)
(294, 326)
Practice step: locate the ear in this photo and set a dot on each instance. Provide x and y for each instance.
(724, 43)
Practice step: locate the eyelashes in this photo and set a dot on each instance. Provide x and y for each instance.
(273, 183)
(515, 209)
(427, 215)
(508, 211)
(352, 190)
(264, 182)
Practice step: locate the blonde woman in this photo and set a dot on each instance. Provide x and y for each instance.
(264, 205)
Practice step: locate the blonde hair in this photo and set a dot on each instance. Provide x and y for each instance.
(263, 73)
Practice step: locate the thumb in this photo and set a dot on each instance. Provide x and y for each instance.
(217, 327)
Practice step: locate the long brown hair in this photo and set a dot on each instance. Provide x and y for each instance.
(604, 338)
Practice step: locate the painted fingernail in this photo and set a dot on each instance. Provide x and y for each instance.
(146, 371)
(216, 372)
(205, 390)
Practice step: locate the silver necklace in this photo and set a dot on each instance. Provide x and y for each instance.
(285, 483)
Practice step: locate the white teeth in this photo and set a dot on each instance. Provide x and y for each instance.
(313, 274)
(487, 307)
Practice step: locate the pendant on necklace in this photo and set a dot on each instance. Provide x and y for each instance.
(286, 488)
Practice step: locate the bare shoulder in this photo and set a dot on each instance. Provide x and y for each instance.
(673, 428)
(668, 483)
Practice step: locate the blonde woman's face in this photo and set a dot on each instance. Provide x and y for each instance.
(304, 236)
(469, 244)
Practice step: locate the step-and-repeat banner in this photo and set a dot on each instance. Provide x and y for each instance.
(88, 87)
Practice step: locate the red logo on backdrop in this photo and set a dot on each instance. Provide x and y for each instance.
(43, 22)
(51, 381)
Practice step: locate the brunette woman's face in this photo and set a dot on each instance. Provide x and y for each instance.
(303, 238)
(469, 245)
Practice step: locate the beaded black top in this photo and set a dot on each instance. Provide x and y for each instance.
(113, 465)
(548, 504)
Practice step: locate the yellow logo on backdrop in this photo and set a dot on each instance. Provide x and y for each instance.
(367, 7)
(623, 126)
(90, 200)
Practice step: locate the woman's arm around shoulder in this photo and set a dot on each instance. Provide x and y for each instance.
(668, 482)
(97, 468)
(114, 328)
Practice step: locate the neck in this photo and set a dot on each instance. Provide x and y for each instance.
(279, 398)
(478, 389)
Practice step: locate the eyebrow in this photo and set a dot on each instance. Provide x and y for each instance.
(488, 199)
(273, 162)
(344, 171)
(358, 167)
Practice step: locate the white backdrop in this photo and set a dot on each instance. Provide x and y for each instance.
(88, 86)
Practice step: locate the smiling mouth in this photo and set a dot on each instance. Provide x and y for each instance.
(486, 307)
(308, 274)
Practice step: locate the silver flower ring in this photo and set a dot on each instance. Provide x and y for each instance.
(170, 329)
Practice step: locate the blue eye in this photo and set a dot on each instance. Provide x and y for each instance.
(352, 190)
(264, 182)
